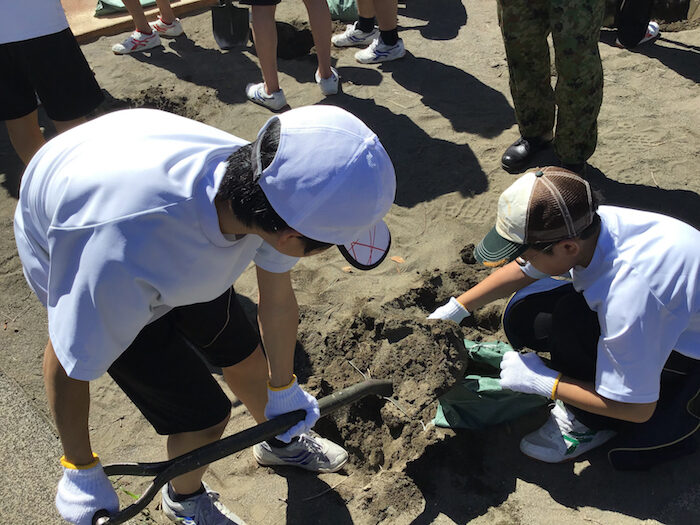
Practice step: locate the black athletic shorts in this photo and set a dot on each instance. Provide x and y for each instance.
(53, 67)
(168, 381)
(259, 2)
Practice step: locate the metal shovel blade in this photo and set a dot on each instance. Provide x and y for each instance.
(230, 25)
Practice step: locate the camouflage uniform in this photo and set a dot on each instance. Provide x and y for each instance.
(575, 28)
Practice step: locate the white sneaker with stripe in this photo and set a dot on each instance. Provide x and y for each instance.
(352, 36)
(562, 437)
(378, 51)
(136, 41)
(309, 451)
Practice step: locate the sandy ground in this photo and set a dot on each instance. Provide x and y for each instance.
(444, 114)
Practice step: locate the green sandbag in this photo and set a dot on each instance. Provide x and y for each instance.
(344, 10)
(479, 401)
(107, 7)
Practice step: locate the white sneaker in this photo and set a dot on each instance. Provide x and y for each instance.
(137, 41)
(329, 86)
(653, 31)
(256, 93)
(562, 437)
(354, 37)
(203, 509)
(167, 30)
(310, 452)
(378, 51)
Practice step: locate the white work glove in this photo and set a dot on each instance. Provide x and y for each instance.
(451, 311)
(84, 491)
(527, 373)
(288, 399)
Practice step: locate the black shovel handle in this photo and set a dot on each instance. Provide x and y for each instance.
(164, 471)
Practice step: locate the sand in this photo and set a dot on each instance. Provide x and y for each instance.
(445, 115)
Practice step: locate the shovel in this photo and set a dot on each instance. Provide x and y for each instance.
(231, 24)
(164, 471)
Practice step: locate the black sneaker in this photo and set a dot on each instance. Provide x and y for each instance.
(521, 152)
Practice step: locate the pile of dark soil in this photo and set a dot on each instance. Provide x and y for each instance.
(423, 358)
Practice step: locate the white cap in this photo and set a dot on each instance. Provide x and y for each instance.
(332, 181)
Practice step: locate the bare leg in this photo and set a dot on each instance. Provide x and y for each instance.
(166, 11)
(386, 13)
(63, 125)
(136, 12)
(365, 8)
(179, 444)
(265, 36)
(248, 381)
(320, 19)
(25, 135)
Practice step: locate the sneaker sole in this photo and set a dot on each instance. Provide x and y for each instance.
(382, 59)
(140, 50)
(284, 108)
(358, 44)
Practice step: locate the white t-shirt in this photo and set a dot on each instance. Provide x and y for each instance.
(25, 19)
(116, 225)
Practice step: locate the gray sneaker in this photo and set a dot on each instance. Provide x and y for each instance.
(203, 509)
(310, 452)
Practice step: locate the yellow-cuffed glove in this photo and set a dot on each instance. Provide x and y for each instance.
(288, 399)
(84, 490)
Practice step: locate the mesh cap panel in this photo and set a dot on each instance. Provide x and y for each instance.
(560, 206)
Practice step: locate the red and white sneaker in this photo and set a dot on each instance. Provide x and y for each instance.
(167, 30)
(136, 41)
(653, 32)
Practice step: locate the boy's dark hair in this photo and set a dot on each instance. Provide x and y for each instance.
(590, 231)
(248, 201)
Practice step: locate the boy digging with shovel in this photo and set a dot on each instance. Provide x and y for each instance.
(134, 257)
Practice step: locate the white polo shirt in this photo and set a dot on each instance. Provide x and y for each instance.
(643, 282)
(25, 19)
(116, 225)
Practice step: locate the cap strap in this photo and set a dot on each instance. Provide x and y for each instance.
(256, 159)
(563, 208)
(256, 154)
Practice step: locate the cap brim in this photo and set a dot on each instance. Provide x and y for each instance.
(495, 250)
(369, 248)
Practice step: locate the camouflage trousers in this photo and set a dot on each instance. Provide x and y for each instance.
(576, 99)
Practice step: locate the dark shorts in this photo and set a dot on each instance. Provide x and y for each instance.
(162, 371)
(259, 2)
(53, 67)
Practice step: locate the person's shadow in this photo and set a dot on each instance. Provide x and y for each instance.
(227, 72)
(426, 167)
(310, 500)
(466, 474)
(444, 17)
(470, 105)
(681, 204)
(684, 59)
